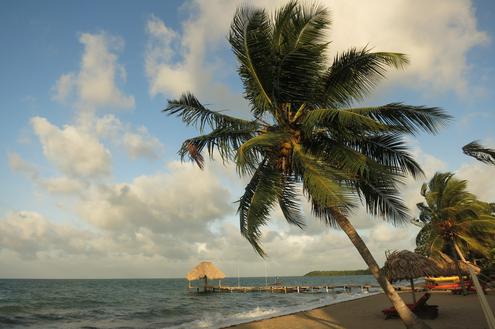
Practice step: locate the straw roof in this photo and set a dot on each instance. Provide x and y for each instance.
(205, 269)
(448, 266)
(405, 264)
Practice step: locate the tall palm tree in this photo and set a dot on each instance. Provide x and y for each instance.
(304, 132)
(454, 220)
(479, 152)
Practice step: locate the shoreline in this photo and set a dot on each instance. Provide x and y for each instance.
(455, 312)
(301, 310)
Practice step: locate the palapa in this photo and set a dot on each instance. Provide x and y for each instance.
(407, 265)
(205, 270)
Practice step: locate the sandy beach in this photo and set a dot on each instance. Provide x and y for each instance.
(455, 312)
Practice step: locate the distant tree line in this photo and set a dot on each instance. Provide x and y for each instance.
(338, 273)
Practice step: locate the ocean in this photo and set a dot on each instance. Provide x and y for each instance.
(154, 303)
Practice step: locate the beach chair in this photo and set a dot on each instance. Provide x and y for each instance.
(469, 288)
(420, 308)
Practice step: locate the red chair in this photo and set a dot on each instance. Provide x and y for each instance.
(420, 308)
(469, 287)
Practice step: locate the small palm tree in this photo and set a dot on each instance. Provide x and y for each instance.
(304, 132)
(479, 152)
(454, 220)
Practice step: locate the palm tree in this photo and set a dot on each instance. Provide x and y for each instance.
(454, 220)
(305, 134)
(479, 152)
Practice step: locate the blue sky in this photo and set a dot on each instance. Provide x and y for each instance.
(54, 118)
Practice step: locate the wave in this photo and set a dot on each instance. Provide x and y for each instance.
(218, 320)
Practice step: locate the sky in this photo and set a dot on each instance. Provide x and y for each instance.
(92, 186)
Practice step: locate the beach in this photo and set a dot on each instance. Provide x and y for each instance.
(455, 312)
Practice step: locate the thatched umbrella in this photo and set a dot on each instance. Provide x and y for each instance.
(407, 265)
(205, 270)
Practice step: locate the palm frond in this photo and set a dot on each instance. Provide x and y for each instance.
(321, 183)
(192, 112)
(329, 215)
(475, 244)
(299, 45)
(341, 120)
(380, 195)
(249, 151)
(250, 37)
(255, 205)
(375, 179)
(355, 73)
(224, 140)
(408, 118)
(479, 152)
(289, 201)
(388, 149)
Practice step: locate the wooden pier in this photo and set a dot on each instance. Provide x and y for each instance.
(285, 289)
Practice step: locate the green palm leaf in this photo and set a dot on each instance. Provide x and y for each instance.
(255, 205)
(333, 118)
(354, 74)
(289, 201)
(224, 140)
(390, 150)
(192, 112)
(299, 44)
(321, 182)
(250, 38)
(251, 150)
(411, 119)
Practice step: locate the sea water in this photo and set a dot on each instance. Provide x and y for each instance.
(156, 303)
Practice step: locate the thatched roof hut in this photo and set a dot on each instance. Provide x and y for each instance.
(407, 265)
(205, 270)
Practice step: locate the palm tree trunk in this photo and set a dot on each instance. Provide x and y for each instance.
(458, 267)
(408, 318)
(487, 311)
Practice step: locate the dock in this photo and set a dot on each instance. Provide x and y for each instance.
(284, 289)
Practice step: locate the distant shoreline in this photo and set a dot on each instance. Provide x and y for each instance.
(338, 273)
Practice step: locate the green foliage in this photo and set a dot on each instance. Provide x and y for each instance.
(338, 273)
(255, 205)
(354, 73)
(451, 215)
(304, 135)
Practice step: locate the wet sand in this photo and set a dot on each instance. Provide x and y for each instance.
(455, 312)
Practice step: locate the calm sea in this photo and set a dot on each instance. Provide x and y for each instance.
(153, 303)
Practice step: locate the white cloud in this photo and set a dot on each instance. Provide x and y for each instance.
(165, 202)
(478, 176)
(138, 142)
(63, 87)
(63, 185)
(141, 144)
(176, 63)
(29, 233)
(96, 83)
(437, 37)
(157, 218)
(72, 150)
